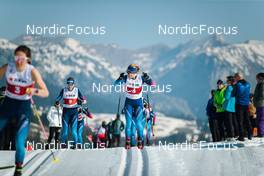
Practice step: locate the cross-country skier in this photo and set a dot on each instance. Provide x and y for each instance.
(83, 113)
(133, 104)
(20, 77)
(70, 96)
(101, 135)
(150, 120)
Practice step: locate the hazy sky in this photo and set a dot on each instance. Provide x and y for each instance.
(133, 24)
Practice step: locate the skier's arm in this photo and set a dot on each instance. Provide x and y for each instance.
(3, 70)
(146, 79)
(121, 79)
(43, 90)
(87, 113)
(80, 96)
(59, 97)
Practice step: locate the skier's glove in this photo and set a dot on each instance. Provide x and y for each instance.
(57, 103)
(122, 76)
(145, 76)
(3, 88)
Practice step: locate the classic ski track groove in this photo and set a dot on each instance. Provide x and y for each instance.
(137, 162)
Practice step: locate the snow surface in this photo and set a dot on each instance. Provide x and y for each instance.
(245, 159)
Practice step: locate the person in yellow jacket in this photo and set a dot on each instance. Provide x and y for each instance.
(219, 99)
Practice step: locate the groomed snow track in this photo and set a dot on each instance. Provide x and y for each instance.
(244, 159)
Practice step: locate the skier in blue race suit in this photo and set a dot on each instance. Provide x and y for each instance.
(20, 78)
(83, 113)
(133, 104)
(70, 96)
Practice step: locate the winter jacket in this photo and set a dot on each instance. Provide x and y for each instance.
(55, 117)
(242, 92)
(210, 108)
(259, 94)
(219, 99)
(229, 104)
(118, 126)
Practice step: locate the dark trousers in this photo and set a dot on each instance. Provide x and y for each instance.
(213, 125)
(235, 124)
(228, 121)
(221, 124)
(116, 140)
(242, 115)
(54, 131)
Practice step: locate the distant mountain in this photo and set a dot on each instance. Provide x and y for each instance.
(191, 68)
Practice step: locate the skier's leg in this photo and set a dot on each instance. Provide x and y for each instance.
(128, 115)
(149, 125)
(80, 131)
(65, 126)
(22, 133)
(133, 134)
(138, 121)
(74, 122)
(3, 123)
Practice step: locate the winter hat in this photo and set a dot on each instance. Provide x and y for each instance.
(230, 78)
(219, 82)
(133, 68)
(70, 80)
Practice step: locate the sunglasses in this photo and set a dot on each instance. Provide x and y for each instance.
(70, 83)
(20, 58)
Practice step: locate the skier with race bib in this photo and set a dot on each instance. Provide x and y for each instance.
(83, 113)
(149, 122)
(133, 104)
(20, 77)
(70, 96)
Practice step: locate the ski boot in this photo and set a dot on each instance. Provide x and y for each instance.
(18, 170)
(128, 144)
(140, 144)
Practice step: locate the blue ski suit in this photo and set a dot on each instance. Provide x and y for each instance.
(70, 112)
(133, 104)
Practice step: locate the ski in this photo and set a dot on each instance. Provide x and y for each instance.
(7, 167)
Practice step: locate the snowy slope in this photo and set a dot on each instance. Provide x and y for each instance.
(241, 159)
